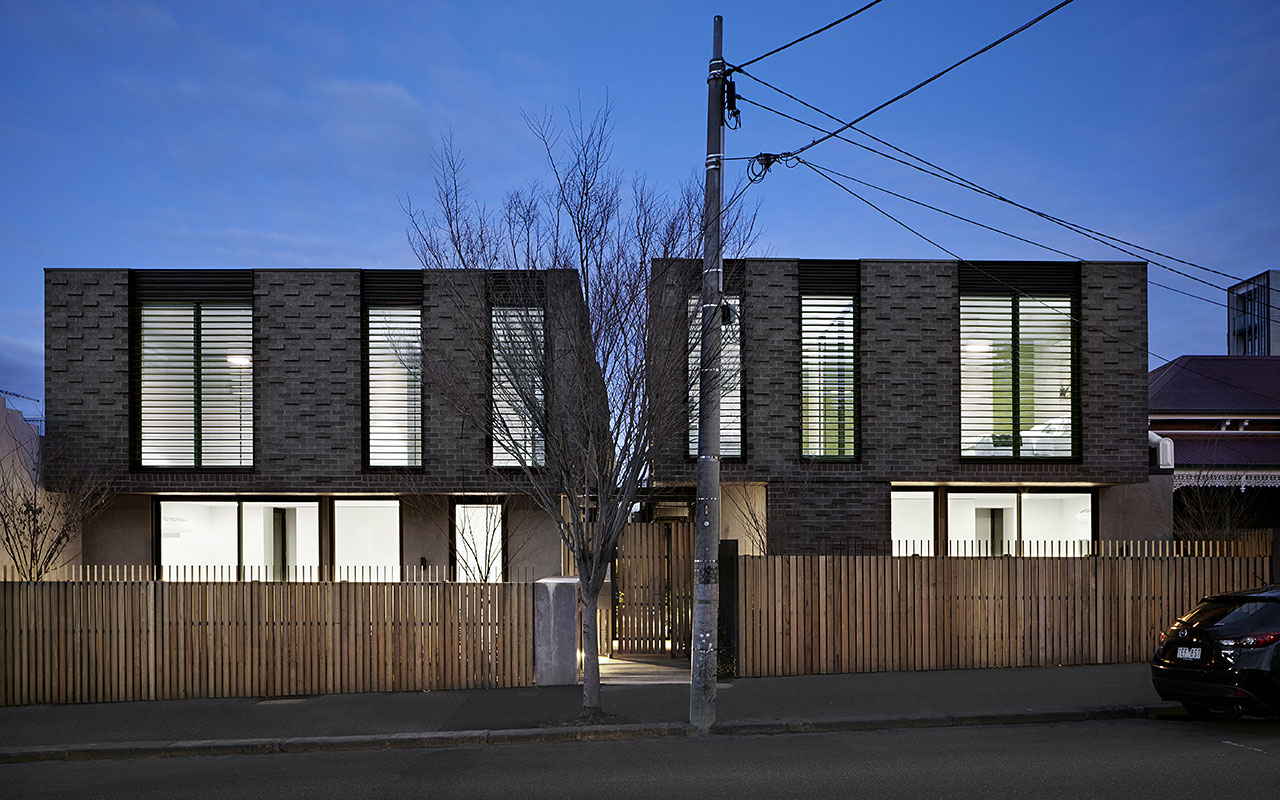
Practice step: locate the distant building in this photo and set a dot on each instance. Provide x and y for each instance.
(1253, 316)
(1223, 415)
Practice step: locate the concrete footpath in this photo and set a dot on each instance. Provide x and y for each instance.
(493, 716)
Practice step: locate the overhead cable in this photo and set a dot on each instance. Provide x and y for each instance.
(809, 35)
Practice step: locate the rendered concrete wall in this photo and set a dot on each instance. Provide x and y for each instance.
(555, 625)
(122, 533)
(1137, 511)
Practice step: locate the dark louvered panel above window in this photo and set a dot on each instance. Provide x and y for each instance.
(387, 288)
(191, 286)
(999, 277)
(829, 277)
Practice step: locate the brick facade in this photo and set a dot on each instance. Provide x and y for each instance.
(909, 420)
(308, 384)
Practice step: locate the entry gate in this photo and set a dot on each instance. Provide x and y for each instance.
(653, 589)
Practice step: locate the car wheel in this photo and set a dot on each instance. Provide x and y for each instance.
(1207, 711)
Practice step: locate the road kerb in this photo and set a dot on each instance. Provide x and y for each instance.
(472, 738)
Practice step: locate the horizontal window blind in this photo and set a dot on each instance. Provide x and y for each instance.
(517, 366)
(828, 368)
(1016, 377)
(195, 385)
(730, 377)
(395, 387)
(167, 401)
(226, 386)
(1045, 372)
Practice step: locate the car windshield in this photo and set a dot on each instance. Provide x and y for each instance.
(1236, 616)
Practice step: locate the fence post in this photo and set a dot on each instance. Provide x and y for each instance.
(727, 659)
(1275, 555)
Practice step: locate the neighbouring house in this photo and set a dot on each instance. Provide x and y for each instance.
(19, 449)
(304, 424)
(1222, 414)
(1253, 316)
(921, 407)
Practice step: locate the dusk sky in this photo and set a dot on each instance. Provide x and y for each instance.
(276, 134)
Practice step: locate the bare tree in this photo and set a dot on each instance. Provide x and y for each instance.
(43, 510)
(571, 414)
(1214, 504)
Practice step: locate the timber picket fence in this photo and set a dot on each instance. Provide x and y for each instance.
(126, 636)
(804, 615)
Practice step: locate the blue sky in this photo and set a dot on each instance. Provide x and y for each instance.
(239, 134)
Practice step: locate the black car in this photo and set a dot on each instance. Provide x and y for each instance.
(1223, 658)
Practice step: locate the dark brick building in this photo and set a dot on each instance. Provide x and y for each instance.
(290, 422)
(924, 405)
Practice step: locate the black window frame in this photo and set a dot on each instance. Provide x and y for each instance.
(390, 288)
(515, 290)
(832, 279)
(187, 288)
(1018, 281)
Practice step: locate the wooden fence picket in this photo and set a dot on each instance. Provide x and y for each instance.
(114, 635)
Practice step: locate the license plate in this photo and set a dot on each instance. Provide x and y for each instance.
(1189, 653)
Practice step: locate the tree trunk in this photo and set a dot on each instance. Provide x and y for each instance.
(590, 651)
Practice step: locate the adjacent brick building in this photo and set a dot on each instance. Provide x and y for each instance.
(921, 405)
(290, 403)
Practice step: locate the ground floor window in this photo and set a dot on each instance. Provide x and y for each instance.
(1017, 522)
(366, 540)
(234, 540)
(912, 523)
(477, 542)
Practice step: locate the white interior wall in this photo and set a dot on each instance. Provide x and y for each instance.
(911, 523)
(198, 535)
(366, 538)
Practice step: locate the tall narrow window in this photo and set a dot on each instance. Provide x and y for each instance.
(730, 376)
(196, 385)
(828, 369)
(395, 387)
(477, 542)
(516, 366)
(1016, 366)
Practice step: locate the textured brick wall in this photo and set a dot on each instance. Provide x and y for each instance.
(308, 385)
(86, 357)
(910, 381)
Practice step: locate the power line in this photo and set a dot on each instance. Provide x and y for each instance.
(756, 173)
(1068, 315)
(963, 182)
(810, 35)
(928, 81)
(984, 226)
(8, 393)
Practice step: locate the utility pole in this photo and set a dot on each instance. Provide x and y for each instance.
(706, 567)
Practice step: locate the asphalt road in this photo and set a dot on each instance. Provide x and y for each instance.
(1124, 758)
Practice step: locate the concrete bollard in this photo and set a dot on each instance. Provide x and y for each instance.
(555, 626)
